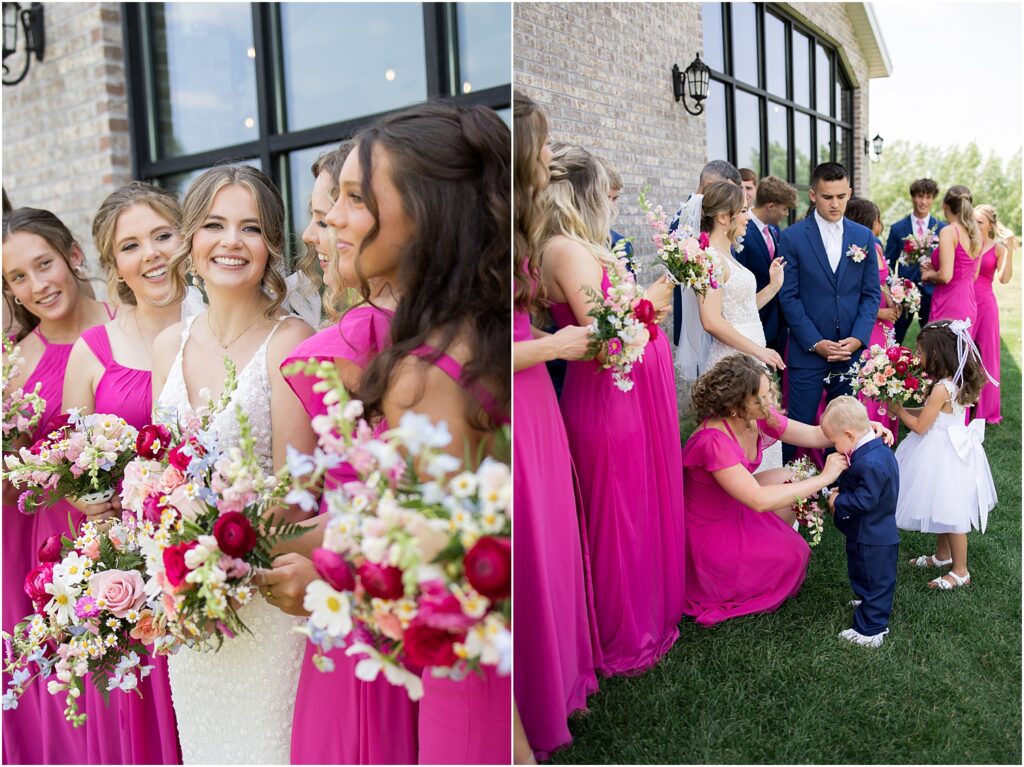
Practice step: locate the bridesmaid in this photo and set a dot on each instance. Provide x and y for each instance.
(41, 276)
(553, 638)
(996, 262)
(625, 446)
(958, 265)
(136, 233)
(425, 195)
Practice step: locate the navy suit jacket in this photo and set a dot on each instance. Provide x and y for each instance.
(818, 303)
(894, 247)
(755, 257)
(868, 489)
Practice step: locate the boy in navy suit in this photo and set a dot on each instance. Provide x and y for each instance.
(864, 506)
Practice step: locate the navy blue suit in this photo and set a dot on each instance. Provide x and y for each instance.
(817, 304)
(756, 258)
(893, 248)
(865, 512)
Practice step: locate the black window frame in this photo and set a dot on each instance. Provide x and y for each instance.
(274, 141)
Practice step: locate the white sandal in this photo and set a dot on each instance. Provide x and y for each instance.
(930, 560)
(943, 585)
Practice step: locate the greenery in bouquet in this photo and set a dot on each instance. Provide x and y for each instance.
(810, 512)
(890, 374)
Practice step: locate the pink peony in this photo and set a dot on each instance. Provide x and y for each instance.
(381, 581)
(37, 580)
(123, 590)
(489, 567)
(893, 353)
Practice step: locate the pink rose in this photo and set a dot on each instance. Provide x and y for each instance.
(489, 567)
(153, 441)
(145, 630)
(171, 478)
(50, 550)
(37, 580)
(333, 568)
(123, 590)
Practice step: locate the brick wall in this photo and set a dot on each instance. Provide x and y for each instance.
(66, 144)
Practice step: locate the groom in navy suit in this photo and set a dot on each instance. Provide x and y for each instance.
(830, 295)
(923, 193)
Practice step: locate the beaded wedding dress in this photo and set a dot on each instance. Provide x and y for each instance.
(234, 706)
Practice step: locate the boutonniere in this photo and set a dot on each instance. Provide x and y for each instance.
(856, 254)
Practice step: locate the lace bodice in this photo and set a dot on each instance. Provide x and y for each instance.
(739, 297)
(953, 389)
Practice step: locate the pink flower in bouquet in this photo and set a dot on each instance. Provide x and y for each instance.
(644, 311)
(381, 581)
(87, 607)
(234, 568)
(37, 580)
(440, 609)
(704, 240)
(50, 550)
(489, 567)
(893, 353)
(614, 346)
(388, 623)
(146, 629)
(180, 460)
(912, 383)
(234, 534)
(123, 590)
(152, 508)
(908, 246)
(428, 646)
(91, 549)
(186, 502)
(175, 568)
(153, 441)
(171, 478)
(902, 367)
(76, 446)
(333, 568)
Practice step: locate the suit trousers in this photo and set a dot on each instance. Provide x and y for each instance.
(872, 571)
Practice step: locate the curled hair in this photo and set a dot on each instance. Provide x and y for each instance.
(270, 210)
(773, 189)
(46, 225)
(863, 212)
(719, 170)
(575, 202)
(1000, 232)
(451, 166)
(960, 202)
(335, 297)
(530, 128)
(937, 344)
(725, 389)
(924, 186)
(722, 197)
(163, 203)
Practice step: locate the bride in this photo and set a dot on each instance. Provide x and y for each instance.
(726, 319)
(235, 705)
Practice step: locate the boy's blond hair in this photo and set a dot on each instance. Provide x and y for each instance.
(847, 412)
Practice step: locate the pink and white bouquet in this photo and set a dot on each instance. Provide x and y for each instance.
(91, 617)
(21, 411)
(890, 374)
(903, 294)
(919, 249)
(416, 559)
(810, 512)
(682, 253)
(83, 457)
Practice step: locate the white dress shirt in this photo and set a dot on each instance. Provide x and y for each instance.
(760, 228)
(831, 238)
(919, 222)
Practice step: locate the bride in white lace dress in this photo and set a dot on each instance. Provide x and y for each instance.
(729, 314)
(235, 706)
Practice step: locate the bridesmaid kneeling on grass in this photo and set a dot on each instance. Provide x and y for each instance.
(742, 554)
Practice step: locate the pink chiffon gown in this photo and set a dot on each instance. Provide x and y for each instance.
(625, 446)
(470, 721)
(339, 719)
(986, 336)
(738, 561)
(955, 300)
(148, 730)
(880, 334)
(554, 632)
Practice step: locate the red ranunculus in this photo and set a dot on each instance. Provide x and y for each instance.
(908, 246)
(333, 568)
(644, 311)
(893, 353)
(912, 383)
(902, 367)
(704, 240)
(381, 581)
(180, 460)
(426, 646)
(175, 569)
(36, 580)
(489, 567)
(50, 550)
(234, 534)
(153, 441)
(152, 509)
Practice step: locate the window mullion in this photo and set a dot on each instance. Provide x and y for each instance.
(264, 108)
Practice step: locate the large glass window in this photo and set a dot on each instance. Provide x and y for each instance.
(778, 140)
(775, 55)
(801, 150)
(744, 42)
(275, 84)
(717, 126)
(823, 79)
(801, 70)
(714, 55)
(748, 131)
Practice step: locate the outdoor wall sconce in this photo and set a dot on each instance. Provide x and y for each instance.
(876, 145)
(31, 21)
(696, 83)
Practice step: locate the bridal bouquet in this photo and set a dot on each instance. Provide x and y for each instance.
(810, 512)
(904, 294)
(917, 249)
(624, 322)
(683, 255)
(83, 457)
(91, 618)
(21, 411)
(416, 560)
(891, 374)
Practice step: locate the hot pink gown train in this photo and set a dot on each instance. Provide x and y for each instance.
(986, 336)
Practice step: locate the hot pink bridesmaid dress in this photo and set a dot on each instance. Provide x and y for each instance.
(738, 561)
(339, 719)
(148, 732)
(466, 722)
(879, 335)
(955, 300)
(625, 446)
(553, 631)
(986, 336)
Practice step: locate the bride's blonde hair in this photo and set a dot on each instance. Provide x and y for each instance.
(575, 202)
(722, 197)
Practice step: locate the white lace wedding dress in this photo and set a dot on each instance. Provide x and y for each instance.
(235, 706)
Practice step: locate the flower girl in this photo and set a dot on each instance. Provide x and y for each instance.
(945, 483)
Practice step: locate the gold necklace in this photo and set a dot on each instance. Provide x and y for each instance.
(224, 346)
(148, 348)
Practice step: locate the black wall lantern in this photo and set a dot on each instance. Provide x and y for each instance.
(876, 145)
(31, 22)
(693, 81)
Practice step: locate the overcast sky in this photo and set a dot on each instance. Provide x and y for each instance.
(956, 74)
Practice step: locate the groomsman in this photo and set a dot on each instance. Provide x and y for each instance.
(922, 193)
(716, 170)
(830, 295)
(772, 202)
(749, 185)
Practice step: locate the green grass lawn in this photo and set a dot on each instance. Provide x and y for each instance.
(945, 688)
